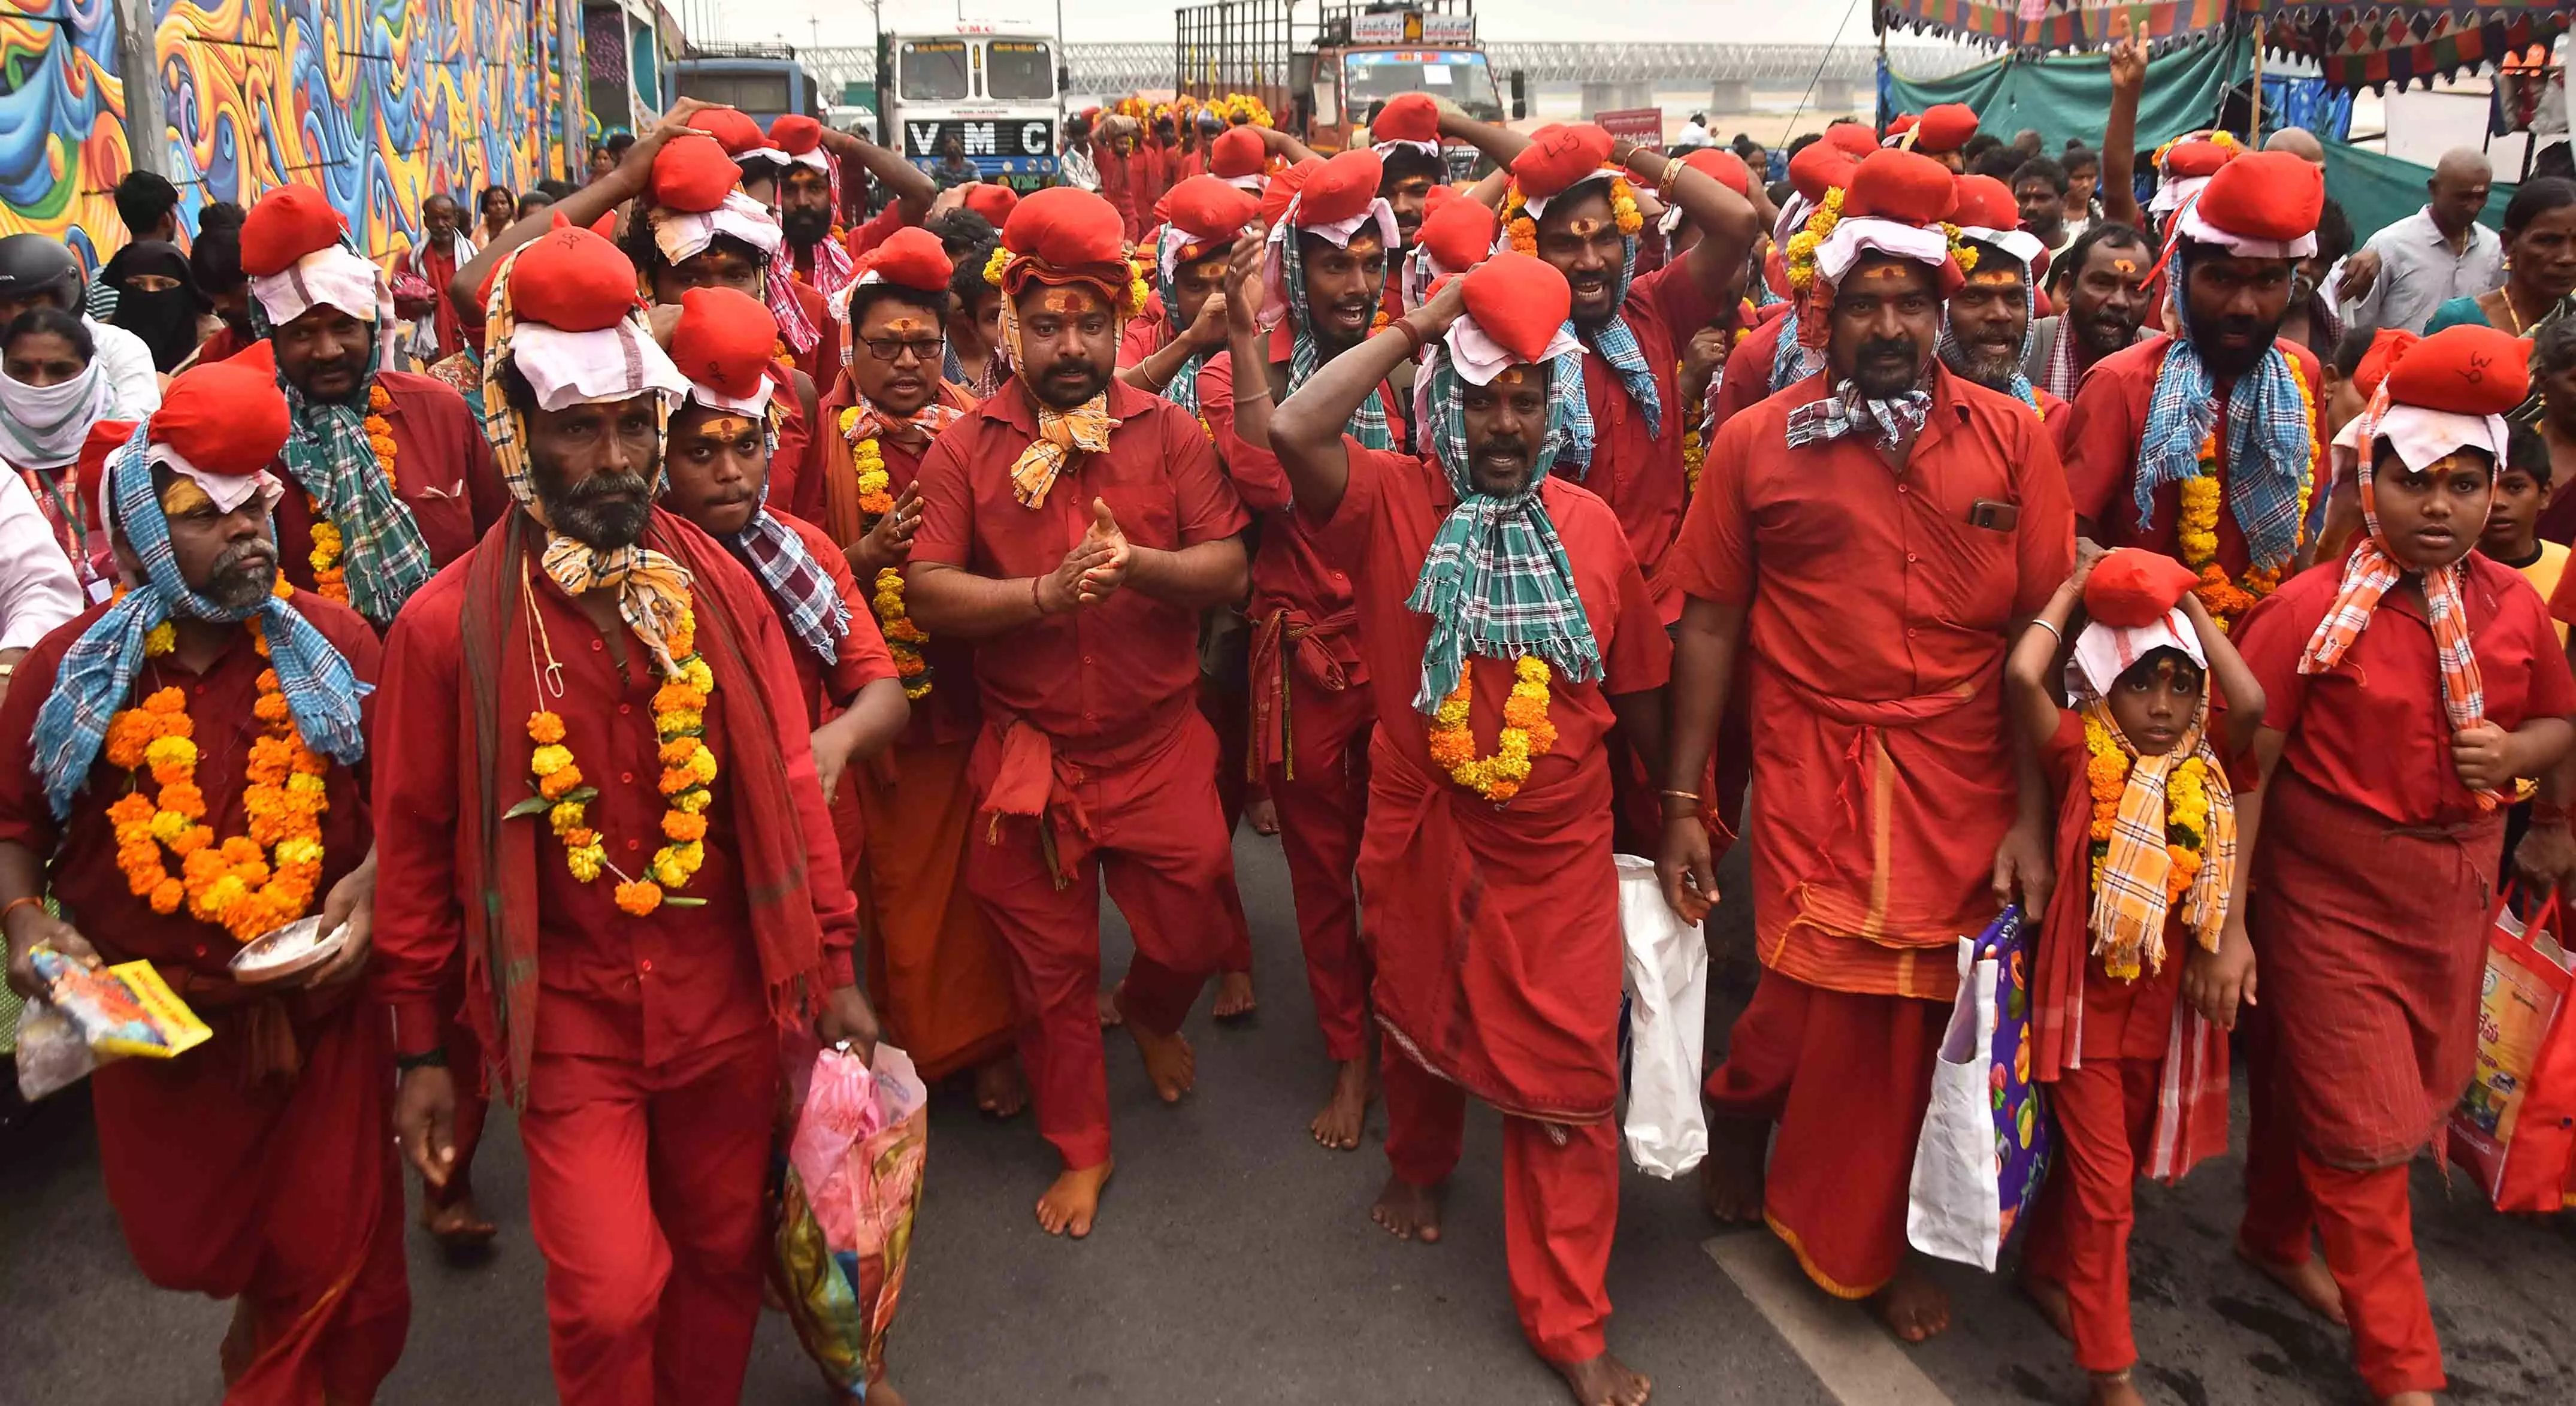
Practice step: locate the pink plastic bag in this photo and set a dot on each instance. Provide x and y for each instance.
(848, 1193)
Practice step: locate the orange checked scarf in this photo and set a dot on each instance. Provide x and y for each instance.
(1085, 427)
(2367, 575)
(2130, 894)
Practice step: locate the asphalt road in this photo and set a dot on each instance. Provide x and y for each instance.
(1235, 1263)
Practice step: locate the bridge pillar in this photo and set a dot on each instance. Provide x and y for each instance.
(1730, 95)
(1599, 98)
(1833, 95)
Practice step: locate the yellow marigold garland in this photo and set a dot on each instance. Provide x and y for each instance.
(1623, 206)
(1527, 732)
(688, 776)
(993, 266)
(2196, 527)
(247, 884)
(1800, 259)
(904, 639)
(330, 579)
(2106, 774)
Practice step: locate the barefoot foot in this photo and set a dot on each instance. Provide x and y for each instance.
(458, 1226)
(2114, 1389)
(1068, 1206)
(879, 1394)
(1913, 1307)
(1169, 1062)
(1410, 1212)
(1111, 1017)
(2307, 1281)
(1234, 996)
(1263, 812)
(1730, 1176)
(1345, 1115)
(2410, 1398)
(2049, 1297)
(1001, 1090)
(1605, 1381)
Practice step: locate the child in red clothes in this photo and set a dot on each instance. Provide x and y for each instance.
(2134, 734)
(2407, 686)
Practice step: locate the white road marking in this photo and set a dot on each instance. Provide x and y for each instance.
(1850, 1353)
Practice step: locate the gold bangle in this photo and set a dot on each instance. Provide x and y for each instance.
(1690, 796)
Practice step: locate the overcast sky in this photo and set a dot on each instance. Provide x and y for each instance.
(1087, 21)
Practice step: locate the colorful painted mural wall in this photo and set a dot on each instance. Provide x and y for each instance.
(380, 103)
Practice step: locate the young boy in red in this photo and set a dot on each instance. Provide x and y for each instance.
(2135, 723)
(2406, 688)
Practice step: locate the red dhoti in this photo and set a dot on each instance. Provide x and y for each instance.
(1560, 1201)
(1311, 725)
(2079, 1236)
(1151, 829)
(279, 1190)
(645, 1187)
(934, 964)
(2371, 940)
(1847, 1077)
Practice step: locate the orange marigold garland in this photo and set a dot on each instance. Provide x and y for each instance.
(1527, 732)
(686, 783)
(330, 579)
(2196, 528)
(904, 639)
(246, 884)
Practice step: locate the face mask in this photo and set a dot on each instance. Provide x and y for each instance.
(41, 427)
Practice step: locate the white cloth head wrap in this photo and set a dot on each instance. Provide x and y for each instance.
(680, 235)
(588, 368)
(2104, 652)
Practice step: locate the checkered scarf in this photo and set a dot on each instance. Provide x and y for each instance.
(328, 454)
(833, 268)
(2271, 446)
(2060, 376)
(2369, 572)
(1496, 581)
(806, 599)
(1896, 418)
(2129, 896)
(97, 672)
(1367, 424)
(652, 589)
(1616, 341)
(1792, 361)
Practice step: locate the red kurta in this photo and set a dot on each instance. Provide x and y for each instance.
(821, 361)
(1637, 467)
(234, 1177)
(1091, 719)
(443, 474)
(2102, 435)
(1525, 1016)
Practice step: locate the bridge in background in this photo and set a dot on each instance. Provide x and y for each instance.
(1620, 72)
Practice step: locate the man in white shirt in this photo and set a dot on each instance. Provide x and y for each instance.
(2438, 253)
(1694, 133)
(1076, 168)
(36, 588)
(37, 269)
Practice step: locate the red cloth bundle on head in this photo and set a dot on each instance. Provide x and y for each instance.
(692, 174)
(1944, 128)
(1407, 117)
(1559, 157)
(1238, 155)
(1723, 166)
(722, 344)
(1520, 302)
(1340, 191)
(2262, 205)
(732, 128)
(286, 224)
(1819, 167)
(1065, 236)
(2131, 588)
(1459, 234)
(228, 419)
(911, 257)
(1853, 137)
(572, 280)
(1284, 187)
(795, 133)
(992, 202)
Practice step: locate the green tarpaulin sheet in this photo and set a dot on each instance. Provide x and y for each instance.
(2070, 97)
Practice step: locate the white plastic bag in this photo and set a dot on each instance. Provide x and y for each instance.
(1986, 1140)
(1666, 979)
(52, 1055)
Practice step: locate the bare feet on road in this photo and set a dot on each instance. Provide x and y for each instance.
(1913, 1307)
(1730, 1176)
(1001, 1090)
(1345, 1115)
(1234, 996)
(1410, 1212)
(1605, 1381)
(1068, 1206)
(2307, 1281)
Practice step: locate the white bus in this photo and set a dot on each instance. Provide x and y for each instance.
(997, 93)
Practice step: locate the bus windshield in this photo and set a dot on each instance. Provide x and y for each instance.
(1018, 70)
(749, 91)
(1459, 75)
(933, 70)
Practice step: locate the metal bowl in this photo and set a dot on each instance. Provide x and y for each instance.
(298, 947)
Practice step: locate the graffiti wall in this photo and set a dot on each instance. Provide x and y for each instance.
(380, 103)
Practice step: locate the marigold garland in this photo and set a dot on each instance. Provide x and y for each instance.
(1623, 207)
(1800, 259)
(904, 639)
(993, 266)
(1527, 732)
(2106, 774)
(1517, 224)
(247, 884)
(2196, 527)
(688, 776)
(330, 579)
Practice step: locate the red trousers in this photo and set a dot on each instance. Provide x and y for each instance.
(2365, 1217)
(473, 1105)
(281, 1191)
(644, 1194)
(1322, 810)
(1847, 1077)
(1223, 701)
(2079, 1235)
(1560, 1201)
(1162, 848)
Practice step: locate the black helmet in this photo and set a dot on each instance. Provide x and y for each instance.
(34, 264)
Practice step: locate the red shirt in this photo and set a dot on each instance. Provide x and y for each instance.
(791, 461)
(1109, 681)
(1637, 466)
(443, 473)
(81, 852)
(1873, 647)
(1292, 569)
(643, 990)
(1388, 516)
(2372, 731)
(2102, 434)
(223, 346)
(821, 361)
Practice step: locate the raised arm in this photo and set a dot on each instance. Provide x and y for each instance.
(2033, 668)
(2235, 681)
(1284, 146)
(912, 186)
(1306, 430)
(2119, 185)
(632, 177)
(1725, 220)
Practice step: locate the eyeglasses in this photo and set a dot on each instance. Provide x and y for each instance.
(893, 348)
